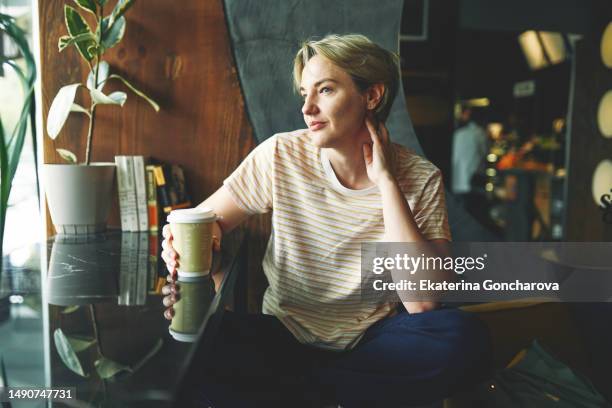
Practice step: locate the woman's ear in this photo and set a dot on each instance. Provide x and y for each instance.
(374, 96)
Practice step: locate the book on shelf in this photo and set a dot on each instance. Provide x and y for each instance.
(147, 190)
(127, 193)
(152, 207)
(171, 190)
(140, 183)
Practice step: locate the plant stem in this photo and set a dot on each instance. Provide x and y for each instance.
(94, 322)
(92, 117)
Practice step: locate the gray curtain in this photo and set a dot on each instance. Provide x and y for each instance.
(266, 34)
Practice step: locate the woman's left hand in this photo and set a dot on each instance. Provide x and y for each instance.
(378, 154)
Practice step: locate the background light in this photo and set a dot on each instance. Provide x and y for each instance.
(16, 299)
(478, 102)
(606, 46)
(543, 48)
(554, 46)
(602, 180)
(532, 49)
(604, 115)
(495, 129)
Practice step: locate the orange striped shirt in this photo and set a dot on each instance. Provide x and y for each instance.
(313, 258)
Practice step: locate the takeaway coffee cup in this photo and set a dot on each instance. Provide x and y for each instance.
(189, 311)
(192, 239)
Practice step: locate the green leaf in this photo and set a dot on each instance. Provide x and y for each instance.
(67, 353)
(78, 108)
(10, 149)
(112, 35)
(70, 309)
(74, 22)
(88, 5)
(94, 48)
(136, 91)
(66, 40)
(67, 155)
(17, 138)
(103, 69)
(108, 368)
(77, 25)
(60, 108)
(101, 3)
(63, 42)
(80, 343)
(120, 8)
(116, 98)
(5, 181)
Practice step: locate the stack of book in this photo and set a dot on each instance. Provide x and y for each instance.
(147, 193)
(148, 190)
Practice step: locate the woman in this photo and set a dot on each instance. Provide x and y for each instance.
(331, 187)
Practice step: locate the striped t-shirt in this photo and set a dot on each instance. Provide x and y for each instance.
(313, 258)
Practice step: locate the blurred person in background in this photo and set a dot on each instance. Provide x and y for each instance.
(468, 154)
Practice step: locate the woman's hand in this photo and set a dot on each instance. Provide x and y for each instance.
(170, 257)
(168, 254)
(171, 296)
(378, 154)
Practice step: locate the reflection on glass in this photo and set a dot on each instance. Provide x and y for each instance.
(82, 270)
(189, 311)
(21, 325)
(134, 269)
(99, 268)
(91, 339)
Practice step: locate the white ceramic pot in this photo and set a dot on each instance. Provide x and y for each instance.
(79, 196)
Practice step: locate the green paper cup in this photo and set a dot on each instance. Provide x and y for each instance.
(189, 311)
(192, 239)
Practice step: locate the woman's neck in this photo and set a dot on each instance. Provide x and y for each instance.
(348, 164)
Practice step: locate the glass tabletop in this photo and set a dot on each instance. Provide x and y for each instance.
(86, 312)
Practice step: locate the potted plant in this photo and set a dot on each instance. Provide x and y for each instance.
(79, 194)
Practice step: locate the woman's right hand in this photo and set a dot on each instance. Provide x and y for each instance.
(170, 257)
(168, 254)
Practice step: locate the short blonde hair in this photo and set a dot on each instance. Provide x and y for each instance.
(365, 61)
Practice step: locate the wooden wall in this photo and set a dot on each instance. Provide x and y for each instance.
(180, 55)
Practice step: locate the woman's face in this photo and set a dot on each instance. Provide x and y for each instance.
(334, 109)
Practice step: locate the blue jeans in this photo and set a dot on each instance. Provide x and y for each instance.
(402, 360)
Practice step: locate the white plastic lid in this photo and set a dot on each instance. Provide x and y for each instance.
(184, 337)
(192, 215)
